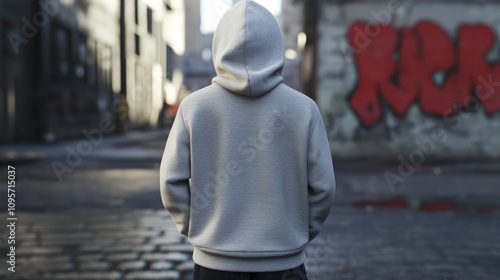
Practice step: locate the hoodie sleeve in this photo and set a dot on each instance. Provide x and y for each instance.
(321, 178)
(175, 172)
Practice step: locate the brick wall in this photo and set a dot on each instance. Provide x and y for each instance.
(417, 79)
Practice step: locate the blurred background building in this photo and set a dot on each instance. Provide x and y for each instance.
(68, 64)
(387, 75)
(17, 75)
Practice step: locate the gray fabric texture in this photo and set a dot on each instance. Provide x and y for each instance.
(247, 173)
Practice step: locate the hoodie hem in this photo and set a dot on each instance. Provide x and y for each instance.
(248, 264)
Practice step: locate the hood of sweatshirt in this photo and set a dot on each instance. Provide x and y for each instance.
(248, 50)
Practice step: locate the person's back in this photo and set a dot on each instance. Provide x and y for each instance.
(247, 172)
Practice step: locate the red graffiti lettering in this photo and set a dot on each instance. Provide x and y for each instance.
(402, 94)
(422, 65)
(377, 51)
(475, 42)
(438, 55)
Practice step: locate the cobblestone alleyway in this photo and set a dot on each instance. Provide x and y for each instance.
(131, 244)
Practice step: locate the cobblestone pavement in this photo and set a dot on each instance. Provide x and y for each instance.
(357, 244)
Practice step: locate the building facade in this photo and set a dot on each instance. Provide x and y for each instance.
(67, 65)
(17, 74)
(62, 75)
(197, 64)
(149, 52)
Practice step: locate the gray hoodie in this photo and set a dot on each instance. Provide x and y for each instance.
(247, 173)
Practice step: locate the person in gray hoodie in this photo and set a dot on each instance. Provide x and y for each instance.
(247, 173)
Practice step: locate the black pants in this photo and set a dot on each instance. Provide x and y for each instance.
(203, 273)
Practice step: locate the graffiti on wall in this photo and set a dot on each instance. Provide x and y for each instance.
(399, 67)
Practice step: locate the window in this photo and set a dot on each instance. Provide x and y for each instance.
(3, 38)
(170, 63)
(136, 11)
(6, 46)
(137, 44)
(61, 52)
(206, 54)
(92, 64)
(150, 20)
(81, 57)
(105, 59)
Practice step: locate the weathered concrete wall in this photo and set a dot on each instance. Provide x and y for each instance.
(413, 79)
